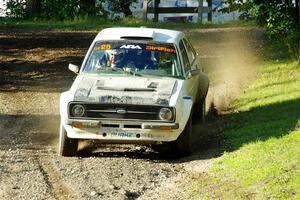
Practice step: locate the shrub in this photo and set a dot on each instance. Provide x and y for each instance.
(59, 10)
(293, 44)
(280, 21)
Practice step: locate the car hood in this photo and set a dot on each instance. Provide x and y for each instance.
(125, 90)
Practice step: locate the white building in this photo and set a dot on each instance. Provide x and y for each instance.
(137, 9)
(2, 7)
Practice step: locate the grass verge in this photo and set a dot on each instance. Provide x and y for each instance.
(94, 24)
(263, 139)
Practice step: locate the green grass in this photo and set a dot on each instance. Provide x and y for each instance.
(94, 24)
(263, 141)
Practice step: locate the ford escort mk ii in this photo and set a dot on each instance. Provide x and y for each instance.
(135, 85)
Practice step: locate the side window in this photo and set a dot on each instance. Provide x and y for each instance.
(185, 58)
(190, 51)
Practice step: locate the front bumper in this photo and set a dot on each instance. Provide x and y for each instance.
(122, 131)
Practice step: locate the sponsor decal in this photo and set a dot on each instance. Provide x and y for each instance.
(163, 49)
(130, 46)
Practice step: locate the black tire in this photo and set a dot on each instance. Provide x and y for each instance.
(203, 110)
(200, 110)
(183, 145)
(67, 146)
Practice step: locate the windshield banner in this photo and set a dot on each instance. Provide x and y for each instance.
(135, 46)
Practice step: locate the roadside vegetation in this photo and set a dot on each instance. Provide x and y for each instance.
(262, 138)
(262, 132)
(95, 24)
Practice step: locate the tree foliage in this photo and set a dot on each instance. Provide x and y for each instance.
(65, 9)
(280, 17)
(59, 10)
(16, 8)
(70, 9)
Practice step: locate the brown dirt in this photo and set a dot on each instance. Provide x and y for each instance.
(33, 72)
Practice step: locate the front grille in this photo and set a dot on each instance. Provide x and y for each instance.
(132, 126)
(119, 111)
(110, 125)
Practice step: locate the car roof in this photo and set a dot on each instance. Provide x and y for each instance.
(157, 35)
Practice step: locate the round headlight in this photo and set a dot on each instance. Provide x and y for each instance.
(165, 114)
(78, 110)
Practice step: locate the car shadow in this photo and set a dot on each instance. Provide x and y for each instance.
(261, 123)
(258, 124)
(206, 145)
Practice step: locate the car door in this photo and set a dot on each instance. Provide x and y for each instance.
(191, 71)
(197, 70)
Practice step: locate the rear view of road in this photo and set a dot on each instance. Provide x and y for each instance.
(33, 72)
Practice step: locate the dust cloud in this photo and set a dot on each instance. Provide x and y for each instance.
(229, 57)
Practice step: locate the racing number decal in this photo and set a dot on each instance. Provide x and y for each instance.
(103, 47)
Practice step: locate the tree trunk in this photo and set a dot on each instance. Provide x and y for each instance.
(145, 10)
(209, 15)
(125, 7)
(156, 6)
(87, 7)
(298, 12)
(33, 8)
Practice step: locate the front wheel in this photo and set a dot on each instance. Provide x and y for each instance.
(67, 146)
(183, 145)
(200, 110)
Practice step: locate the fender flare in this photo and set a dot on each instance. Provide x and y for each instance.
(203, 86)
(186, 112)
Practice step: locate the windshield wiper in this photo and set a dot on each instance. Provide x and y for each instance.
(133, 73)
(116, 69)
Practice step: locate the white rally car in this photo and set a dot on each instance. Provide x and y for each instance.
(135, 85)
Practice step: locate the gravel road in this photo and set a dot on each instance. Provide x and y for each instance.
(33, 72)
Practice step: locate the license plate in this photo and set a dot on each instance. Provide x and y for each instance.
(123, 135)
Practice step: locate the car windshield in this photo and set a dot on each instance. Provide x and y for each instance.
(136, 58)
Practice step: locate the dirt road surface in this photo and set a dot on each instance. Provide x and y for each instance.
(33, 73)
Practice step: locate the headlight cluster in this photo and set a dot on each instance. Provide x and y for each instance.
(78, 110)
(165, 114)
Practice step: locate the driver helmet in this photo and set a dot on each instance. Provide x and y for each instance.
(115, 57)
(102, 62)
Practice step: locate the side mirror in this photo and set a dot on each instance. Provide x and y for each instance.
(74, 68)
(192, 73)
(189, 75)
(195, 72)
